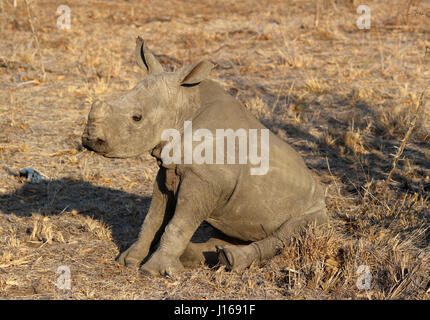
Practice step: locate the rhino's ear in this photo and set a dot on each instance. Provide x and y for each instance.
(195, 73)
(145, 59)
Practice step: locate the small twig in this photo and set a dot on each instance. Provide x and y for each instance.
(36, 38)
(292, 270)
(418, 112)
(26, 82)
(381, 53)
(277, 97)
(289, 92)
(317, 13)
(407, 8)
(333, 178)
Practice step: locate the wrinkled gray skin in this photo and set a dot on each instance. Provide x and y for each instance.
(258, 214)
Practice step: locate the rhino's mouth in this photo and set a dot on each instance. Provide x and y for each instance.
(98, 145)
(100, 148)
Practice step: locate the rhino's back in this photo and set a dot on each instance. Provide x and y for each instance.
(258, 204)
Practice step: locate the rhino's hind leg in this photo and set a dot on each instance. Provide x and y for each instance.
(240, 257)
(202, 249)
(202, 253)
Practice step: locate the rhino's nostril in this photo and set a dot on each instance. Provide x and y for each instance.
(98, 145)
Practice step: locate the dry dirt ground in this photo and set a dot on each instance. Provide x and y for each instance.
(343, 97)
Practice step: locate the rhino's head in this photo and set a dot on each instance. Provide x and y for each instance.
(133, 123)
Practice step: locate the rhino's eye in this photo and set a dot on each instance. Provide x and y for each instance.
(137, 118)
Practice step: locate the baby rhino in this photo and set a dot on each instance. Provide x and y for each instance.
(256, 210)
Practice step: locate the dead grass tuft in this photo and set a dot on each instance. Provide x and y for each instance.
(354, 140)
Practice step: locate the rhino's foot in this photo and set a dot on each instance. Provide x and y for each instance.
(132, 257)
(163, 265)
(237, 258)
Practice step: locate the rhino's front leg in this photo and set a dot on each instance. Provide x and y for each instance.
(160, 210)
(196, 201)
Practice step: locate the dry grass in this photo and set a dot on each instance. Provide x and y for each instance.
(343, 97)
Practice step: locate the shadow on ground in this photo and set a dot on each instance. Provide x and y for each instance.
(122, 212)
(338, 158)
